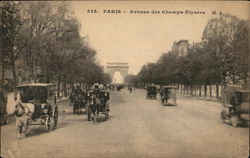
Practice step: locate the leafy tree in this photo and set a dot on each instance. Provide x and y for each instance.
(10, 22)
(224, 38)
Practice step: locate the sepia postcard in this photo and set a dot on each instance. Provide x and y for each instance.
(124, 79)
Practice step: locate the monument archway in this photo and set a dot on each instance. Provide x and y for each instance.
(117, 68)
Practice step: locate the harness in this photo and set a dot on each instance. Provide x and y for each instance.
(19, 113)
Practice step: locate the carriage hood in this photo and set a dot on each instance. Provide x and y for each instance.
(29, 93)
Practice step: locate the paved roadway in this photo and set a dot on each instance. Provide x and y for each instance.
(138, 128)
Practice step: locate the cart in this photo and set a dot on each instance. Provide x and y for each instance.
(168, 95)
(36, 106)
(235, 107)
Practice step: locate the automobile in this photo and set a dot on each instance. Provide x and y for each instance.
(235, 106)
(37, 105)
(151, 92)
(3, 104)
(168, 95)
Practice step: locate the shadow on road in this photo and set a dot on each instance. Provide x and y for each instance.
(36, 131)
(240, 125)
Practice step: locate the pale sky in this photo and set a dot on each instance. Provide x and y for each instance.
(142, 38)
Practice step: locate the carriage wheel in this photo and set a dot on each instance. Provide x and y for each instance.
(234, 120)
(55, 117)
(47, 124)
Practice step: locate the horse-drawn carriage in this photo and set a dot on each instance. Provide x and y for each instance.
(151, 92)
(98, 102)
(235, 103)
(80, 102)
(168, 95)
(36, 106)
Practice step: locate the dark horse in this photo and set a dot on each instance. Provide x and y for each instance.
(93, 105)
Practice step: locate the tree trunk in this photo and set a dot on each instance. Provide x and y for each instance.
(181, 88)
(14, 73)
(200, 90)
(205, 90)
(65, 89)
(191, 89)
(210, 90)
(3, 73)
(58, 87)
(246, 84)
(217, 91)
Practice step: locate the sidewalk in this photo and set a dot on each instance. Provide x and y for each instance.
(200, 98)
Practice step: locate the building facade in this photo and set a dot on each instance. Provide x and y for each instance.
(181, 48)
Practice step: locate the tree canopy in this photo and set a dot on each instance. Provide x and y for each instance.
(41, 42)
(221, 57)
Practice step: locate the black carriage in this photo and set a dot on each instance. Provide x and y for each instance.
(235, 108)
(98, 102)
(80, 102)
(168, 95)
(151, 92)
(104, 103)
(36, 106)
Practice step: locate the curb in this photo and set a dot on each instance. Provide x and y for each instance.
(200, 98)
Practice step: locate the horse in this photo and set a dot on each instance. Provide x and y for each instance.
(103, 107)
(93, 106)
(22, 119)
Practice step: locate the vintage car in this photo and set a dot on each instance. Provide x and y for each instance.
(168, 95)
(3, 104)
(36, 106)
(235, 107)
(151, 92)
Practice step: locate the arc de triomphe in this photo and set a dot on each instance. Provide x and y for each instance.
(121, 67)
